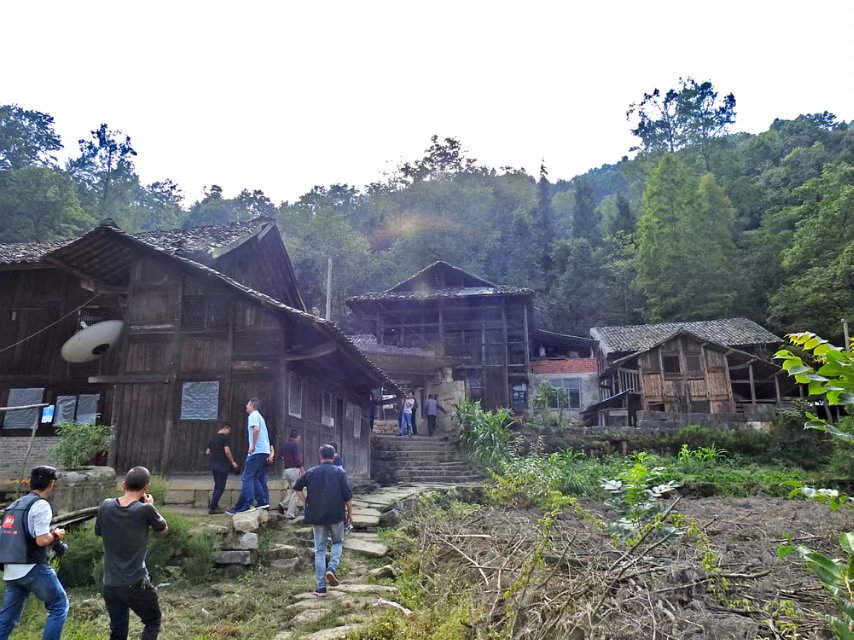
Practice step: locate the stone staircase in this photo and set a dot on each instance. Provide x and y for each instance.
(418, 459)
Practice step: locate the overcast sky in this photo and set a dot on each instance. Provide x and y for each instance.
(282, 96)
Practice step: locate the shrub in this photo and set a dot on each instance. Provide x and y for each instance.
(202, 550)
(486, 436)
(83, 563)
(165, 548)
(80, 442)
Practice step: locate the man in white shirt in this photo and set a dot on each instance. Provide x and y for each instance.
(256, 460)
(25, 536)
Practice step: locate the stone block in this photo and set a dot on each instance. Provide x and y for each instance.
(235, 557)
(241, 542)
(233, 571)
(387, 571)
(209, 529)
(248, 521)
(201, 499)
(175, 496)
(82, 488)
(367, 547)
(285, 565)
(334, 634)
(390, 518)
(286, 551)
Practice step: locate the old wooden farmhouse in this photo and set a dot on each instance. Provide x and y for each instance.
(686, 371)
(212, 316)
(487, 334)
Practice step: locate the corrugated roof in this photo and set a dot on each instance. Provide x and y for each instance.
(732, 332)
(196, 241)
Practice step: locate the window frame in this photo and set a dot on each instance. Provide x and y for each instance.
(671, 358)
(576, 386)
(293, 377)
(38, 412)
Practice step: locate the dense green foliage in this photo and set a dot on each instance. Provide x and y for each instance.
(80, 442)
(700, 223)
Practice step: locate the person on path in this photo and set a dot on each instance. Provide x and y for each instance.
(219, 452)
(124, 524)
(414, 415)
(25, 536)
(406, 412)
(431, 411)
(256, 458)
(293, 469)
(328, 496)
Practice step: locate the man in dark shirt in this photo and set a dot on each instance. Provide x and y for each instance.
(328, 495)
(293, 469)
(124, 523)
(219, 452)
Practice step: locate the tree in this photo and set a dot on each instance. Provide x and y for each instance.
(819, 285)
(544, 234)
(441, 160)
(216, 209)
(685, 248)
(159, 205)
(584, 222)
(105, 174)
(40, 204)
(691, 115)
(27, 138)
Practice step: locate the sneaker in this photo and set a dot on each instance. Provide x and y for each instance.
(331, 578)
(263, 506)
(230, 512)
(320, 593)
(347, 528)
(251, 508)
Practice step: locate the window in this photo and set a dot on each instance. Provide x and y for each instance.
(671, 363)
(87, 316)
(519, 395)
(693, 364)
(204, 312)
(295, 396)
(571, 398)
(200, 400)
(23, 418)
(326, 418)
(81, 409)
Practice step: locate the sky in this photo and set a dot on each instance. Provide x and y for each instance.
(282, 96)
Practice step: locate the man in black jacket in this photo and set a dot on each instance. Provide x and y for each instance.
(328, 495)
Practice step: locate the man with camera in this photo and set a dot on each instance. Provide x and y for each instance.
(124, 524)
(25, 536)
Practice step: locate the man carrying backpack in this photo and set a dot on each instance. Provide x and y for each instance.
(25, 536)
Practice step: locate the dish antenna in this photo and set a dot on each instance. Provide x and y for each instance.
(93, 342)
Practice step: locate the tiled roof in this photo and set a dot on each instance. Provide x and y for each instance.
(732, 332)
(457, 292)
(192, 242)
(27, 252)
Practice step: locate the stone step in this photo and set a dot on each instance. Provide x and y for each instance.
(443, 478)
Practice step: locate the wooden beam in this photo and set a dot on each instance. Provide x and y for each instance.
(25, 406)
(131, 378)
(315, 352)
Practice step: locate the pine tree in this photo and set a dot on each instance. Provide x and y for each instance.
(685, 249)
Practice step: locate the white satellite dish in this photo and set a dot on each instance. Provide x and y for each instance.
(93, 342)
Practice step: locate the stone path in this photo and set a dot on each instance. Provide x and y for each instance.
(349, 606)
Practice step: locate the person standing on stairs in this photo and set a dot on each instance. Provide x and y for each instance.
(406, 423)
(256, 459)
(219, 452)
(431, 411)
(329, 494)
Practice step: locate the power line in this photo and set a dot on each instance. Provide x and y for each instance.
(43, 329)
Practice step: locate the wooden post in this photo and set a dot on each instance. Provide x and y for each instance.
(174, 352)
(777, 387)
(752, 385)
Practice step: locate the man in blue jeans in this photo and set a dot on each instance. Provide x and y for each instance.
(328, 495)
(256, 460)
(25, 536)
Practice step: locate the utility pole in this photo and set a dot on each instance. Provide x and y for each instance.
(329, 288)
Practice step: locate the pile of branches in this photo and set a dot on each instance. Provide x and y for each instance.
(533, 578)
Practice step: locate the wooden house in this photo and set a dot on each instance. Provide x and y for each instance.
(486, 332)
(713, 367)
(212, 317)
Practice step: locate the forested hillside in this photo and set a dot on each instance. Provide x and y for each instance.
(699, 223)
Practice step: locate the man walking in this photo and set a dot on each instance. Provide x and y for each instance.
(431, 410)
(219, 452)
(293, 469)
(256, 460)
(124, 524)
(328, 495)
(25, 536)
(406, 408)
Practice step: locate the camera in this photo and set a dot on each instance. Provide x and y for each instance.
(59, 548)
